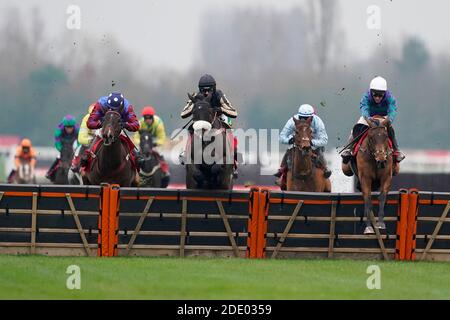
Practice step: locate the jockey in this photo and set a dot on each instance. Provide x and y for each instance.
(114, 101)
(207, 85)
(318, 142)
(85, 137)
(67, 131)
(377, 101)
(153, 124)
(24, 152)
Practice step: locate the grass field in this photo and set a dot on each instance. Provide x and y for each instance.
(40, 277)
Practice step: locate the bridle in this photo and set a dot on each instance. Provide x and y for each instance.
(304, 150)
(371, 148)
(114, 137)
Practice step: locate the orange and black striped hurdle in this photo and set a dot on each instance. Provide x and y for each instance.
(109, 221)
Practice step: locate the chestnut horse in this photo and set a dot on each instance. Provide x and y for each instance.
(112, 162)
(302, 174)
(375, 164)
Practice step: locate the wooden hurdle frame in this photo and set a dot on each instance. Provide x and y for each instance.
(35, 213)
(254, 238)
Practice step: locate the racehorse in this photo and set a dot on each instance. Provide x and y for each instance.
(25, 174)
(374, 163)
(210, 151)
(112, 162)
(150, 173)
(303, 175)
(65, 160)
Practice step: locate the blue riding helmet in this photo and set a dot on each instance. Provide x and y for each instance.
(115, 101)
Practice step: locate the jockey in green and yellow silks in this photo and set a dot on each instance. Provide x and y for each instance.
(154, 125)
(150, 122)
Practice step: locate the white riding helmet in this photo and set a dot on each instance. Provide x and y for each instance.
(305, 110)
(379, 84)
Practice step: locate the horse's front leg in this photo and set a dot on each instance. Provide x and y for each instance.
(366, 188)
(385, 187)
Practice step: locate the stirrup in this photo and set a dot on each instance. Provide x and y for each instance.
(326, 173)
(346, 156)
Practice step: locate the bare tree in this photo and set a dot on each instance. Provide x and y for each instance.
(321, 18)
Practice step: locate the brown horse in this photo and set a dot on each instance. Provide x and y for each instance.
(375, 164)
(210, 153)
(112, 161)
(303, 175)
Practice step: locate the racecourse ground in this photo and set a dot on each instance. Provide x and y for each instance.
(41, 277)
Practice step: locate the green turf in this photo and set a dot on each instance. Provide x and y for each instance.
(39, 277)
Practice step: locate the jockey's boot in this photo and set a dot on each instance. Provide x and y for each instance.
(11, 176)
(346, 154)
(281, 178)
(283, 166)
(398, 155)
(165, 179)
(279, 172)
(322, 164)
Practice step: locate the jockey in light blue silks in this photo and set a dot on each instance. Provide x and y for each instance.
(318, 142)
(377, 101)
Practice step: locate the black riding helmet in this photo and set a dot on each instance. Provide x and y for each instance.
(207, 81)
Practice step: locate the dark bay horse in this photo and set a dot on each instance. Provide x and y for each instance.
(66, 155)
(302, 174)
(210, 151)
(112, 162)
(375, 164)
(150, 172)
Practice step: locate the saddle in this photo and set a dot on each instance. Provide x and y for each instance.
(92, 153)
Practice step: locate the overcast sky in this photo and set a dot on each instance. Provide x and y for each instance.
(165, 32)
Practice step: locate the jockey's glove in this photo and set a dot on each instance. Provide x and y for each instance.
(291, 140)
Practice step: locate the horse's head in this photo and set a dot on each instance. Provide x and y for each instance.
(111, 127)
(203, 114)
(378, 140)
(146, 142)
(303, 134)
(68, 147)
